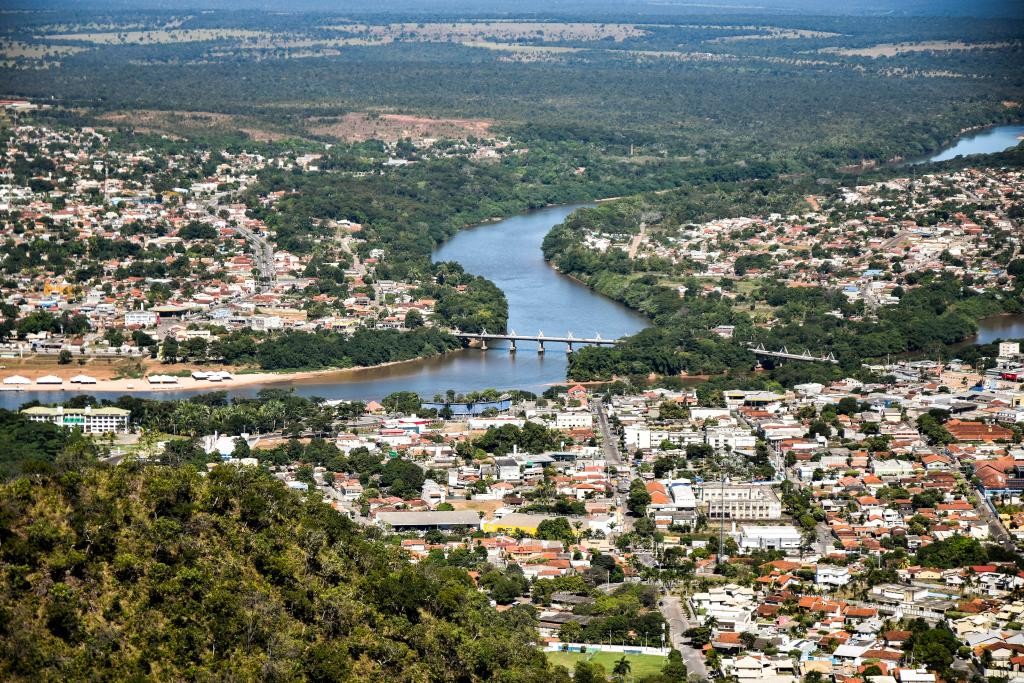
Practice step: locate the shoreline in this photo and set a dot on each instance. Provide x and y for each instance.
(134, 386)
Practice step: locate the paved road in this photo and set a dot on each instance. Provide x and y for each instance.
(825, 539)
(995, 525)
(609, 440)
(678, 623)
(262, 251)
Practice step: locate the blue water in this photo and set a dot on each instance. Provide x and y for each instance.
(998, 139)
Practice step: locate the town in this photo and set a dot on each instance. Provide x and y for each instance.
(855, 531)
(119, 258)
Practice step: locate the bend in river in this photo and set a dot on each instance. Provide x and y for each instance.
(539, 299)
(988, 141)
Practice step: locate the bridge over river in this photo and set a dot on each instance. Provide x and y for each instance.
(540, 339)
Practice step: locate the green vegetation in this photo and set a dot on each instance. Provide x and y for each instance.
(128, 571)
(641, 666)
(27, 447)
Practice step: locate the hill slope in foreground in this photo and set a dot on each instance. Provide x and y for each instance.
(144, 572)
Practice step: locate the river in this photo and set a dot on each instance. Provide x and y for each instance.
(539, 299)
(988, 141)
(508, 253)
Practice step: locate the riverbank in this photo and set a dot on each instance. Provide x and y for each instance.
(240, 378)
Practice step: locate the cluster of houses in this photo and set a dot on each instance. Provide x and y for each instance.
(858, 242)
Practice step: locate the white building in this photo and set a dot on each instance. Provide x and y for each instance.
(1009, 349)
(831, 575)
(730, 605)
(579, 419)
(508, 469)
(736, 439)
(90, 420)
(742, 501)
(784, 537)
(140, 319)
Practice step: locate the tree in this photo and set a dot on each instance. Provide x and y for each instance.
(413, 319)
(557, 529)
(622, 668)
(64, 357)
(402, 477)
(169, 351)
(406, 402)
(587, 672)
(675, 669)
(936, 648)
(570, 632)
(638, 499)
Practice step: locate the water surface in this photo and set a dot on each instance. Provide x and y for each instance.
(997, 139)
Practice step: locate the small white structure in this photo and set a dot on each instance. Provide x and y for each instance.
(82, 379)
(162, 379)
(17, 379)
(49, 379)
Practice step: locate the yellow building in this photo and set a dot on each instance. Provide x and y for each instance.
(64, 289)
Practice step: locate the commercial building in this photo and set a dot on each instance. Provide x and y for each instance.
(784, 537)
(90, 420)
(426, 521)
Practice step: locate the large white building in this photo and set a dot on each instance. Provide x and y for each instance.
(574, 420)
(141, 318)
(741, 501)
(90, 420)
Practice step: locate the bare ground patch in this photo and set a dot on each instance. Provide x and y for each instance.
(359, 126)
(895, 49)
(495, 30)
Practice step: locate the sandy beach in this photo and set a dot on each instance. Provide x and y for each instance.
(107, 379)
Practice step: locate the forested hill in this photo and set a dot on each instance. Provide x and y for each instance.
(144, 572)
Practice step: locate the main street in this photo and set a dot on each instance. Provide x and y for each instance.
(609, 440)
(678, 623)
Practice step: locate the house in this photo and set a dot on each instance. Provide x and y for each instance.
(831, 575)
(978, 431)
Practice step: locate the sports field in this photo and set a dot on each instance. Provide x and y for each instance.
(641, 665)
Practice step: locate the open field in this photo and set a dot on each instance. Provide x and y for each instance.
(496, 30)
(641, 665)
(19, 50)
(359, 126)
(158, 36)
(894, 49)
(773, 33)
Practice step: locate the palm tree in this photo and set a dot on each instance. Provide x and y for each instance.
(622, 668)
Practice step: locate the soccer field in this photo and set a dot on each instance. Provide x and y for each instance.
(642, 665)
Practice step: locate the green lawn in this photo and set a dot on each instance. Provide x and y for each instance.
(642, 665)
